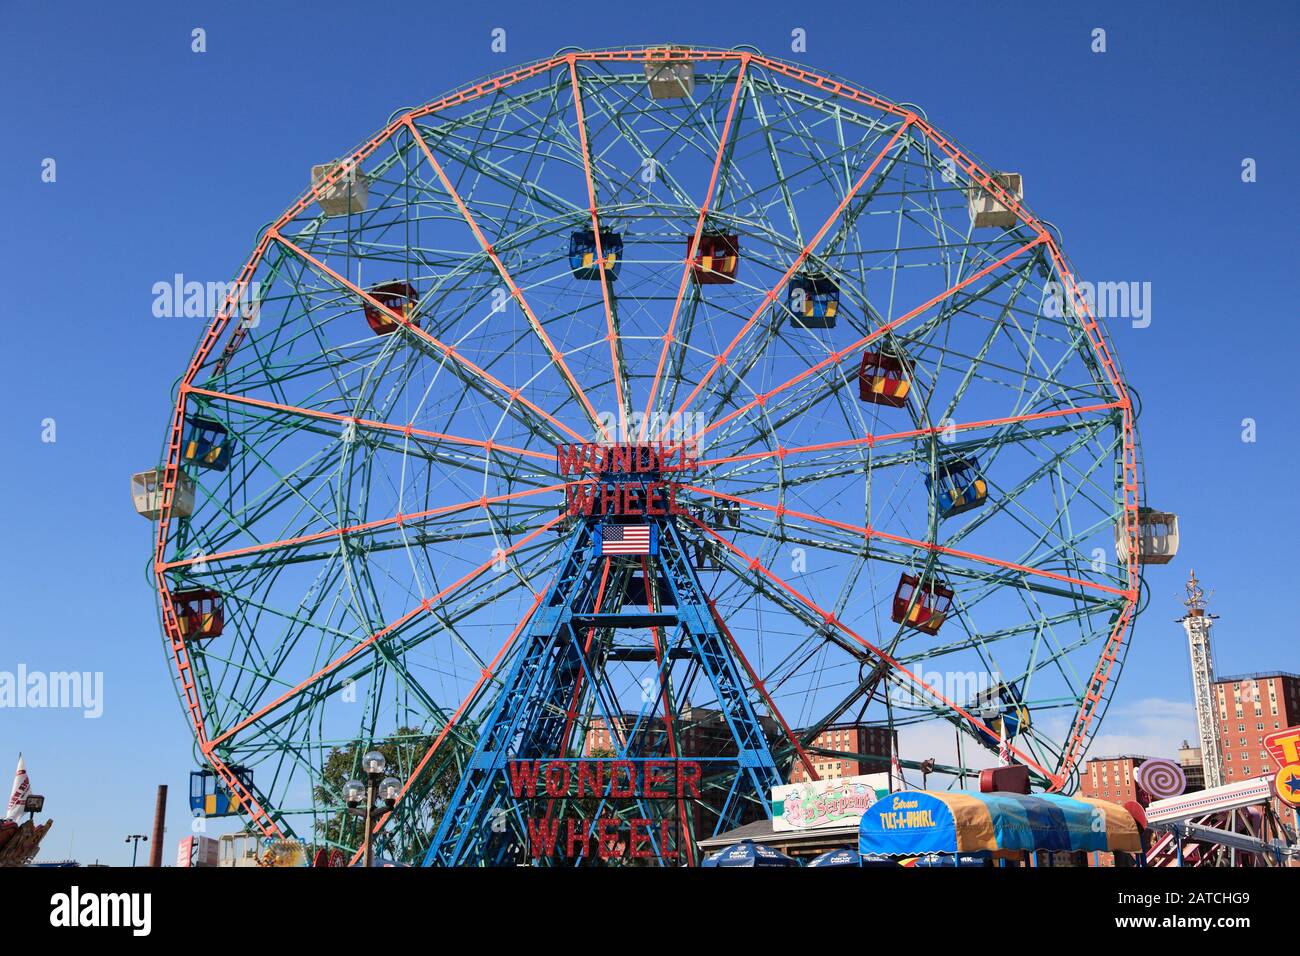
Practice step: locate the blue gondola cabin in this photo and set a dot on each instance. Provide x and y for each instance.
(198, 613)
(584, 258)
(210, 796)
(717, 258)
(883, 380)
(921, 605)
(207, 443)
(960, 487)
(1001, 710)
(813, 301)
(396, 296)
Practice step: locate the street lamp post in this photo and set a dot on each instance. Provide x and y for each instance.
(134, 839)
(33, 805)
(375, 792)
(927, 768)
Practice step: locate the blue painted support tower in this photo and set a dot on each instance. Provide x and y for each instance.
(485, 824)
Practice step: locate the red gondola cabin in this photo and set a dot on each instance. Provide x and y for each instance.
(921, 605)
(883, 380)
(397, 296)
(198, 613)
(717, 258)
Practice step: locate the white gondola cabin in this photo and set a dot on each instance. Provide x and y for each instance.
(347, 194)
(987, 210)
(147, 494)
(1157, 537)
(670, 79)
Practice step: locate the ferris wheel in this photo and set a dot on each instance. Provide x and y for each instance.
(646, 403)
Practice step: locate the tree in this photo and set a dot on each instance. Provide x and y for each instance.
(420, 810)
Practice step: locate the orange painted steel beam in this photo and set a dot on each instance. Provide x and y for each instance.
(869, 532)
(426, 605)
(868, 339)
(723, 139)
(486, 674)
(761, 687)
(872, 440)
(804, 253)
(619, 385)
(408, 429)
(831, 620)
(448, 351)
(515, 291)
(398, 521)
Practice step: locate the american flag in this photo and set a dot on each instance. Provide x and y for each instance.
(624, 539)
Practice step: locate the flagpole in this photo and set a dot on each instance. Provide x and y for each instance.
(961, 764)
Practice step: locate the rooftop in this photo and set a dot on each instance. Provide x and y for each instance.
(1119, 757)
(1261, 675)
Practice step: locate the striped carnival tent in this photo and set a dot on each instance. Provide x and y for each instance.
(917, 822)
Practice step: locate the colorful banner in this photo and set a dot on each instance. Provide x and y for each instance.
(919, 822)
(826, 803)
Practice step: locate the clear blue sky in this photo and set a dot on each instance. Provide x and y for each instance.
(169, 161)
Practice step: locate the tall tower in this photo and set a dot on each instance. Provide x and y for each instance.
(1198, 624)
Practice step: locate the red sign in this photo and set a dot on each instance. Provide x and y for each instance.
(613, 487)
(1284, 747)
(605, 783)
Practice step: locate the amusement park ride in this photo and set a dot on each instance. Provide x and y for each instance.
(685, 399)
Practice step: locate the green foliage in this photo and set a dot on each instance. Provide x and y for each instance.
(420, 810)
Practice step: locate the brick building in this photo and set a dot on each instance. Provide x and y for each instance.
(697, 732)
(1111, 778)
(845, 750)
(1189, 758)
(1249, 707)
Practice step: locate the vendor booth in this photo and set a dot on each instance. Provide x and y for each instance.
(1005, 826)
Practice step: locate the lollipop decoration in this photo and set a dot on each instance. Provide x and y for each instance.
(1161, 778)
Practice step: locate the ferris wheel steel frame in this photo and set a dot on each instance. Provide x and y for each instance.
(274, 242)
